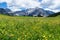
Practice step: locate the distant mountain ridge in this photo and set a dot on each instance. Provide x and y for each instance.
(28, 12)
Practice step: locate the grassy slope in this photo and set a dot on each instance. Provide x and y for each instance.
(29, 28)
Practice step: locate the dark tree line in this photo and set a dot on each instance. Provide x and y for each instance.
(54, 15)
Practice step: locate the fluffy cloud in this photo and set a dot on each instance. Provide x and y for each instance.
(16, 4)
(53, 5)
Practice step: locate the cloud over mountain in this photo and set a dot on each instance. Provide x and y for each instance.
(53, 5)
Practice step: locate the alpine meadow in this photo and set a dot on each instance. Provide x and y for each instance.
(29, 28)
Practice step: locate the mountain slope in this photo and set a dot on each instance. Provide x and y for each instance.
(28, 12)
(35, 12)
(39, 12)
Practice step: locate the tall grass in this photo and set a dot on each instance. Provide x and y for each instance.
(29, 28)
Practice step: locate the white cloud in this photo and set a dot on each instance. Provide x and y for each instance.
(21, 3)
(46, 4)
(53, 5)
(27, 3)
(52, 10)
(8, 1)
(56, 3)
(14, 8)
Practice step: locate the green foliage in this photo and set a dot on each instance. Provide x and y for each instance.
(29, 28)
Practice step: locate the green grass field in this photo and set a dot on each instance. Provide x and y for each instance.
(29, 28)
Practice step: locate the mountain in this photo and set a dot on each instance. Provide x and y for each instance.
(34, 12)
(5, 11)
(2, 11)
(19, 13)
(28, 12)
(49, 13)
(39, 12)
(55, 14)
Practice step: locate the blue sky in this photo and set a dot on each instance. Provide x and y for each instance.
(14, 5)
(3, 5)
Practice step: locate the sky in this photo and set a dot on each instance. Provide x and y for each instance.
(15, 5)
